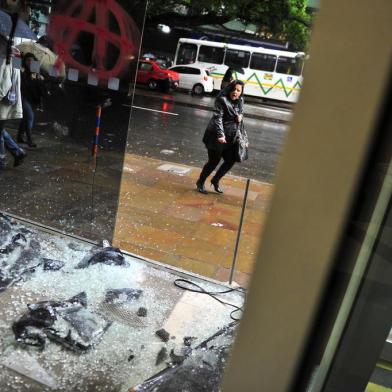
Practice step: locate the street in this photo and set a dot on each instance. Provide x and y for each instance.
(169, 130)
(159, 214)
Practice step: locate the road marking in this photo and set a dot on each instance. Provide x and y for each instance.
(151, 110)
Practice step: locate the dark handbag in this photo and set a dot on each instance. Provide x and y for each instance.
(241, 145)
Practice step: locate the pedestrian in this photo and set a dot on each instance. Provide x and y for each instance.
(221, 134)
(33, 92)
(10, 102)
(227, 78)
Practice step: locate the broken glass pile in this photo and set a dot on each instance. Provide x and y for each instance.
(75, 316)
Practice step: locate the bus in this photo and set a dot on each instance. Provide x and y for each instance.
(267, 73)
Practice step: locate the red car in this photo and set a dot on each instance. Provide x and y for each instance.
(150, 73)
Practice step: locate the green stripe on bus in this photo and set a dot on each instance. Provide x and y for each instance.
(384, 365)
(287, 90)
(377, 388)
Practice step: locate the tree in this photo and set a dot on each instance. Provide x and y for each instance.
(278, 19)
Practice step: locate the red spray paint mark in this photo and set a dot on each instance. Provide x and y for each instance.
(65, 28)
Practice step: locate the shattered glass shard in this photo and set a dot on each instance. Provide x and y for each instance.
(108, 256)
(88, 325)
(122, 295)
(52, 265)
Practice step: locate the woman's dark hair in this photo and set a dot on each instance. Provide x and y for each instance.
(231, 87)
(27, 56)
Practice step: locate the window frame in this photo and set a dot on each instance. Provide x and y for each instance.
(263, 54)
(213, 47)
(237, 50)
(290, 73)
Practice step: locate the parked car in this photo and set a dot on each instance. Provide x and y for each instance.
(195, 79)
(151, 74)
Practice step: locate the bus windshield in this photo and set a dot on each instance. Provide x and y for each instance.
(186, 53)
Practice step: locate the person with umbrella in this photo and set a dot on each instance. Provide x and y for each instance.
(33, 92)
(48, 60)
(12, 26)
(227, 78)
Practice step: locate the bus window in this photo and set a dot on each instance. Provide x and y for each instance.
(210, 54)
(237, 58)
(289, 65)
(263, 62)
(186, 54)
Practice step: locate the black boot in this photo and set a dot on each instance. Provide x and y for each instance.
(215, 184)
(19, 138)
(200, 186)
(18, 159)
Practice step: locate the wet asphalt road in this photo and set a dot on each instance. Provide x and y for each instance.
(174, 132)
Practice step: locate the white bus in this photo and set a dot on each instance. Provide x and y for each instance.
(268, 73)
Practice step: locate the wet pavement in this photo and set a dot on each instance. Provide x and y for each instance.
(254, 107)
(162, 217)
(140, 192)
(169, 130)
(160, 214)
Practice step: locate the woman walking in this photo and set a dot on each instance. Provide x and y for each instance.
(33, 92)
(221, 135)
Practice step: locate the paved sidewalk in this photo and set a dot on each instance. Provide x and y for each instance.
(161, 216)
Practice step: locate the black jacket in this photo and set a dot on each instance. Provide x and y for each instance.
(33, 90)
(223, 122)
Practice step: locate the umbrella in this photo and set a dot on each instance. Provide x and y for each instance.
(44, 55)
(149, 56)
(21, 31)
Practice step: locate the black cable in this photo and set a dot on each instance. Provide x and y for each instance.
(187, 285)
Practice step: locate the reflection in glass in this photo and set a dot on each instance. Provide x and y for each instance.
(71, 172)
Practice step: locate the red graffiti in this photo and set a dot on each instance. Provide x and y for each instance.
(65, 30)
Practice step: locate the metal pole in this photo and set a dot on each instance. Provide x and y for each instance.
(94, 153)
(239, 232)
(94, 149)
